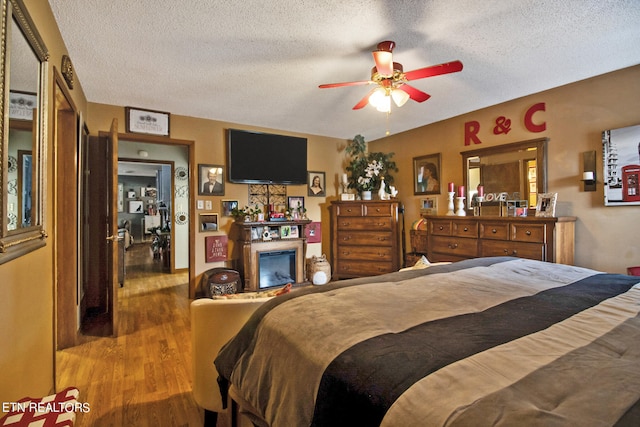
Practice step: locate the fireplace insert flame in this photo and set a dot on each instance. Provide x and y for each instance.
(276, 268)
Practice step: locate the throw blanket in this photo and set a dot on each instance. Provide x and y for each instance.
(479, 342)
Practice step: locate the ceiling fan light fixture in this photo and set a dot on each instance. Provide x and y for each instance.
(384, 106)
(399, 96)
(377, 96)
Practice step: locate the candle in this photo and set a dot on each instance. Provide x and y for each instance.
(587, 176)
(451, 187)
(480, 191)
(344, 178)
(461, 191)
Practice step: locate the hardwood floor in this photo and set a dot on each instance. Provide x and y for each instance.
(142, 377)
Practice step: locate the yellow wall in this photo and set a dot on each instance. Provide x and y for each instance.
(323, 154)
(27, 284)
(607, 238)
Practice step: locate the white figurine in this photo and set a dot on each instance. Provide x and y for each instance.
(394, 192)
(382, 193)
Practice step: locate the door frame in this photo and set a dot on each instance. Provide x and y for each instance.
(191, 150)
(66, 264)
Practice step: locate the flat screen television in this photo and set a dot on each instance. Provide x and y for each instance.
(264, 158)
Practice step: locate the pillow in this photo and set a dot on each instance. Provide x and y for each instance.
(253, 295)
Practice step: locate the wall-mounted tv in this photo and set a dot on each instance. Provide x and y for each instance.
(264, 158)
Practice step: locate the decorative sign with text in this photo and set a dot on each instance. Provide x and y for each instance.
(215, 248)
(502, 125)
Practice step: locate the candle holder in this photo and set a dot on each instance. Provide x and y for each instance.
(450, 207)
(477, 208)
(460, 202)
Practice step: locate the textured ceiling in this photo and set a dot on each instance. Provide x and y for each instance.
(260, 63)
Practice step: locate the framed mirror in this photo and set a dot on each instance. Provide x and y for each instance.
(23, 59)
(518, 169)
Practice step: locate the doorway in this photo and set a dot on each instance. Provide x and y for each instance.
(147, 206)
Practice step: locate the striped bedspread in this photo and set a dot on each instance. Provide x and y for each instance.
(489, 341)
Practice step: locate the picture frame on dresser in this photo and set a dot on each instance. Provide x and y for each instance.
(546, 206)
(429, 206)
(426, 174)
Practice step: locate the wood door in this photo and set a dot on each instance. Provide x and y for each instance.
(101, 243)
(112, 237)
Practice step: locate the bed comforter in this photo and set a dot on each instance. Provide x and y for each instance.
(488, 341)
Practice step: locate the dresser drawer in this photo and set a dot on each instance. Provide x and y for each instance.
(457, 246)
(349, 209)
(440, 227)
(465, 229)
(362, 223)
(363, 268)
(490, 248)
(528, 232)
(375, 209)
(380, 238)
(494, 230)
(366, 253)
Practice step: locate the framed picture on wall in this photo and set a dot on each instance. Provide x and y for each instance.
(208, 222)
(150, 122)
(316, 184)
(621, 164)
(426, 174)
(228, 206)
(211, 180)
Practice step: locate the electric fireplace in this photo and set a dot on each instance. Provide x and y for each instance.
(276, 268)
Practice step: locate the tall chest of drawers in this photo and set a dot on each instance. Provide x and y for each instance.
(365, 240)
(452, 238)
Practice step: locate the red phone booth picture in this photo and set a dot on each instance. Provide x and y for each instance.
(631, 183)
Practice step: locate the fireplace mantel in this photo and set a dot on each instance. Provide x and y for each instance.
(251, 242)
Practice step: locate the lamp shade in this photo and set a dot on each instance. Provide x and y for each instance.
(377, 97)
(400, 97)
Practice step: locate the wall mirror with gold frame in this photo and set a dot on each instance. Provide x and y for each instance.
(518, 169)
(23, 64)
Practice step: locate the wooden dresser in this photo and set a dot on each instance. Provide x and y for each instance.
(365, 240)
(453, 238)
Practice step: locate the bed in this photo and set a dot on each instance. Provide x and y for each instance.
(487, 341)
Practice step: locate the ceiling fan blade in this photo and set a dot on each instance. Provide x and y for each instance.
(434, 70)
(384, 62)
(329, 85)
(364, 101)
(415, 94)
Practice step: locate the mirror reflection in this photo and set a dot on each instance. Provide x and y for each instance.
(23, 65)
(23, 113)
(508, 172)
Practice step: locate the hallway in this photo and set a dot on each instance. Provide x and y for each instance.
(142, 377)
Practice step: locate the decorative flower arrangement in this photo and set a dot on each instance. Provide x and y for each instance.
(366, 169)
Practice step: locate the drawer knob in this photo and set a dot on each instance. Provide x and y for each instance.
(466, 229)
(346, 224)
(515, 252)
(348, 210)
(382, 239)
(494, 231)
(528, 233)
(441, 228)
(345, 238)
(453, 245)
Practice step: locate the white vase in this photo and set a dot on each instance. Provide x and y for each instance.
(366, 195)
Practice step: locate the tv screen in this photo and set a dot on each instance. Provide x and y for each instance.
(263, 158)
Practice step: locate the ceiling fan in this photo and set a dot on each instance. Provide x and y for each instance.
(391, 80)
